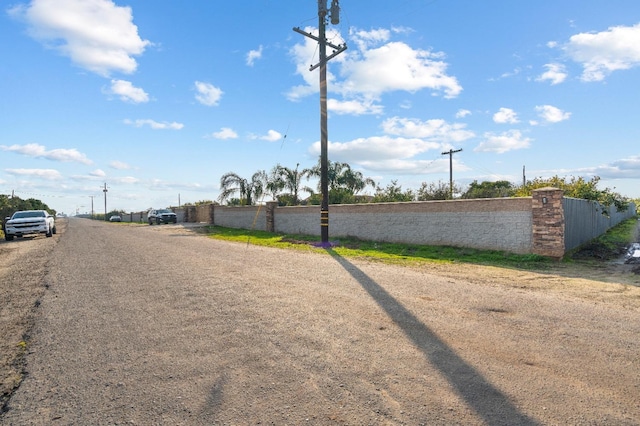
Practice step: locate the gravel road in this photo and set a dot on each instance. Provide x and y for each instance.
(155, 325)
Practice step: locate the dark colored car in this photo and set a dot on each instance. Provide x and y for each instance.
(161, 216)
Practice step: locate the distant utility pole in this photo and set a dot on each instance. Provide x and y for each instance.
(324, 135)
(91, 196)
(450, 154)
(105, 200)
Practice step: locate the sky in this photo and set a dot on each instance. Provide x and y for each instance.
(159, 99)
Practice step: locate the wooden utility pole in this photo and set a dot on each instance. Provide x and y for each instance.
(450, 154)
(105, 200)
(324, 134)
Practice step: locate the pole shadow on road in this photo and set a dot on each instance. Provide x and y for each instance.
(485, 399)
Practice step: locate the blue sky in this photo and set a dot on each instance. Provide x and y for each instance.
(158, 99)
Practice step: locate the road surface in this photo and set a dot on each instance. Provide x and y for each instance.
(150, 325)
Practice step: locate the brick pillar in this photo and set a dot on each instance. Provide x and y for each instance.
(190, 214)
(548, 222)
(271, 215)
(211, 214)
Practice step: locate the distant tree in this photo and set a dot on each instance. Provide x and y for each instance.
(9, 205)
(393, 193)
(577, 188)
(335, 195)
(436, 191)
(248, 190)
(485, 189)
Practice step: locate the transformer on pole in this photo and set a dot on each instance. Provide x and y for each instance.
(324, 135)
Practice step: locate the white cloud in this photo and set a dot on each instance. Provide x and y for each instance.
(48, 174)
(377, 148)
(354, 107)
(225, 133)
(626, 168)
(98, 173)
(374, 67)
(155, 124)
(412, 167)
(372, 72)
(97, 35)
(505, 116)
(208, 94)
(555, 73)
(601, 53)
(396, 152)
(551, 114)
(271, 136)
(365, 39)
(462, 113)
(503, 142)
(39, 151)
(127, 92)
(436, 129)
(254, 55)
(119, 165)
(395, 155)
(128, 180)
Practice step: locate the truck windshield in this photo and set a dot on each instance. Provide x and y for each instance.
(22, 215)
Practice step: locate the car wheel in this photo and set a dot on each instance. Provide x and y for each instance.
(49, 233)
(8, 237)
(150, 222)
(54, 230)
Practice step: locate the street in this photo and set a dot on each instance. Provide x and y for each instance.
(160, 325)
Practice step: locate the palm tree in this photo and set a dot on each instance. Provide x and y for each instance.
(230, 183)
(291, 179)
(334, 171)
(341, 176)
(355, 181)
(274, 182)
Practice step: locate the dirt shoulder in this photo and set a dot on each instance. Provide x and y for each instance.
(23, 265)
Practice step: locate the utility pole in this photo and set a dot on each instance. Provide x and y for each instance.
(324, 134)
(450, 154)
(91, 196)
(105, 200)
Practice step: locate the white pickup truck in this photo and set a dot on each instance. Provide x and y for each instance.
(29, 222)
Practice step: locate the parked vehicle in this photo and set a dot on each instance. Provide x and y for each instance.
(115, 218)
(161, 216)
(633, 254)
(29, 222)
